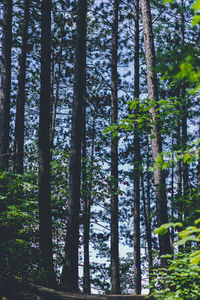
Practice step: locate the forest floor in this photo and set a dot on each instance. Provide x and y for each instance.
(14, 290)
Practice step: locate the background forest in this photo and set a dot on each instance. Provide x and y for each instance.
(99, 145)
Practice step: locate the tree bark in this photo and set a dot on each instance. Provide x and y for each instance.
(149, 209)
(45, 229)
(172, 191)
(87, 198)
(179, 170)
(5, 84)
(56, 98)
(147, 212)
(70, 268)
(184, 118)
(156, 141)
(19, 122)
(184, 145)
(115, 277)
(137, 162)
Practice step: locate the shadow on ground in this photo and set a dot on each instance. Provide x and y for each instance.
(14, 290)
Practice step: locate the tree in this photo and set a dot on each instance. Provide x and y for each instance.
(19, 122)
(70, 268)
(184, 115)
(147, 210)
(55, 99)
(45, 223)
(169, 116)
(87, 178)
(137, 162)
(156, 140)
(115, 279)
(5, 83)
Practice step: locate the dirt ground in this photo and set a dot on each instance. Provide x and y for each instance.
(13, 290)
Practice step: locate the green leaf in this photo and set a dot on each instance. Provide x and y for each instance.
(167, 256)
(186, 157)
(197, 221)
(162, 230)
(20, 241)
(196, 20)
(165, 165)
(188, 231)
(195, 253)
(195, 260)
(187, 239)
(196, 5)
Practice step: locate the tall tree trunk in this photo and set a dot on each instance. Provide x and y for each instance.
(115, 277)
(56, 98)
(156, 141)
(172, 191)
(184, 117)
(5, 83)
(52, 102)
(19, 122)
(147, 212)
(179, 175)
(137, 162)
(184, 145)
(179, 170)
(70, 268)
(45, 230)
(87, 190)
(178, 140)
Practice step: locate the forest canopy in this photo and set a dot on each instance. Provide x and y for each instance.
(100, 145)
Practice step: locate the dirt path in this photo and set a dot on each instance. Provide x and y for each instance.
(14, 290)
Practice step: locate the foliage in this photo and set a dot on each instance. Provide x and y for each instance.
(19, 231)
(126, 266)
(19, 225)
(177, 65)
(180, 280)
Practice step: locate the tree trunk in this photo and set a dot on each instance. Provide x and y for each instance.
(172, 192)
(5, 84)
(115, 278)
(52, 101)
(87, 190)
(179, 175)
(179, 172)
(156, 141)
(56, 98)
(184, 118)
(45, 232)
(19, 122)
(70, 268)
(184, 145)
(137, 162)
(147, 213)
